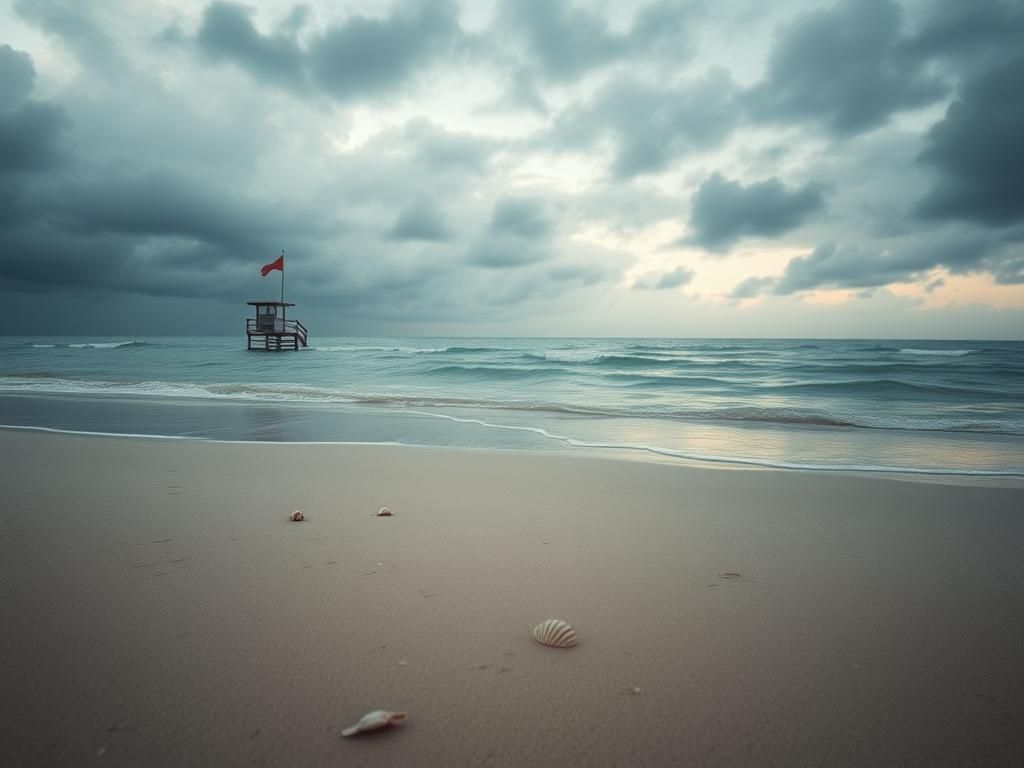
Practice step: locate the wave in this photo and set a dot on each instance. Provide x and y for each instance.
(566, 355)
(492, 372)
(938, 352)
(886, 387)
(407, 350)
(94, 345)
(285, 394)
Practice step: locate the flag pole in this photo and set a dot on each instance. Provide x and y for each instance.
(282, 275)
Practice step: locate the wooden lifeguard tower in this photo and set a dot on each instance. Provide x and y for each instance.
(276, 331)
(270, 324)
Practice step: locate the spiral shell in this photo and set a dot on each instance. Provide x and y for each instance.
(371, 721)
(384, 512)
(555, 632)
(297, 516)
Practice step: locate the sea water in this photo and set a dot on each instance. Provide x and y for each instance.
(943, 407)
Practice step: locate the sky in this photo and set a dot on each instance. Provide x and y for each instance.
(681, 168)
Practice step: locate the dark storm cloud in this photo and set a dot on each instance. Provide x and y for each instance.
(517, 235)
(152, 233)
(521, 217)
(358, 57)
(30, 131)
(833, 265)
(846, 68)
(652, 125)
(661, 281)
(986, 30)
(17, 76)
(368, 56)
(43, 257)
(977, 150)
(166, 205)
(227, 33)
(566, 41)
(73, 23)
(30, 137)
(420, 221)
(724, 211)
(506, 253)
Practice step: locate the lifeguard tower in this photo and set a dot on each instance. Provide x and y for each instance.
(270, 324)
(271, 330)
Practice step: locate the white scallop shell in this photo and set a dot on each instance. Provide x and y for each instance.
(384, 512)
(371, 721)
(297, 516)
(555, 632)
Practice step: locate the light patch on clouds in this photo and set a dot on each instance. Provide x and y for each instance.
(962, 291)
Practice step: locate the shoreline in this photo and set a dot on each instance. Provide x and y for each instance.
(162, 610)
(312, 424)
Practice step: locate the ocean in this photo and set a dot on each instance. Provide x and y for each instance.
(932, 407)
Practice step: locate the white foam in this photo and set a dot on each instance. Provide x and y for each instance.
(104, 344)
(573, 355)
(408, 350)
(937, 352)
(713, 459)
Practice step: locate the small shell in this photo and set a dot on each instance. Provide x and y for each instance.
(384, 512)
(297, 516)
(555, 632)
(371, 721)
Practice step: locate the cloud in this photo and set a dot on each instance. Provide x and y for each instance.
(982, 29)
(833, 265)
(651, 126)
(565, 41)
(438, 149)
(521, 217)
(168, 205)
(17, 76)
(518, 234)
(977, 152)
(30, 131)
(506, 253)
(142, 172)
(661, 281)
(153, 234)
(359, 57)
(751, 287)
(844, 68)
(73, 23)
(369, 56)
(724, 211)
(226, 33)
(420, 221)
(1009, 271)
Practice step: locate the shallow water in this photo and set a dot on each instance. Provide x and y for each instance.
(950, 406)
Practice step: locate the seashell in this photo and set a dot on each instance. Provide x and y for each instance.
(555, 632)
(384, 512)
(297, 516)
(371, 721)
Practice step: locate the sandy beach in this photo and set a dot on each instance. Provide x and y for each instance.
(159, 609)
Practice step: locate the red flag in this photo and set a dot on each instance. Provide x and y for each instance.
(277, 263)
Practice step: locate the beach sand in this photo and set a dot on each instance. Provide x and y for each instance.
(159, 609)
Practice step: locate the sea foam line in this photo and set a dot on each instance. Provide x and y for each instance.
(656, 450)
(711, 458)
